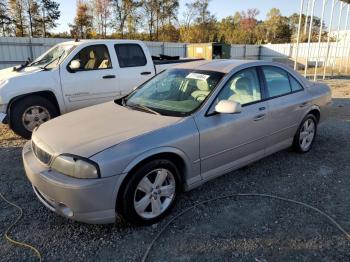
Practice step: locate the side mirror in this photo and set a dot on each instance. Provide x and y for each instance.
(74, 65)
(228, 107)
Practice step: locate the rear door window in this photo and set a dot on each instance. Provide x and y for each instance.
(296, 86)
(130, 55)
(277, 81)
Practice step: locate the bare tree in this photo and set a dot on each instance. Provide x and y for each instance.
(5, 20)
(17, 12)
(103, 15)
(83, 20)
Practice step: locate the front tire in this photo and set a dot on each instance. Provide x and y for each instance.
(30, 112)
(150, 193)
(306, 134)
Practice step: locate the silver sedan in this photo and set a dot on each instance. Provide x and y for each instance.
(132, 157)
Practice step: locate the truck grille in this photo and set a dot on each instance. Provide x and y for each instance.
(41, 154)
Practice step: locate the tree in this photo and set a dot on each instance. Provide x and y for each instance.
(50, 14)
(102, 15)
(124, 10)
(294, 23)
(226, 30)
(150, 13)
(17, 12)
(277, 27)
(82, 26)
(248, 23)
(5, 20)
(32, 10)
(204, 27)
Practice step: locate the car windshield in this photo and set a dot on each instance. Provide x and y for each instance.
(53, 57)
(175, 92)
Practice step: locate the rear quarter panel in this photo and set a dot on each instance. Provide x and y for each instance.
(321, 96)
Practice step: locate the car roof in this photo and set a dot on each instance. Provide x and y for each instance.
(227, 65)
(222, 65)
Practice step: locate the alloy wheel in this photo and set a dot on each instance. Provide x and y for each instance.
(35, 116)
(155, 193)
(307, 134)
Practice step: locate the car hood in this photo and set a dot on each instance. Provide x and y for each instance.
(91, 130)
(8, 73)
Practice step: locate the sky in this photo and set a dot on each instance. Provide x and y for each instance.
(221, 8)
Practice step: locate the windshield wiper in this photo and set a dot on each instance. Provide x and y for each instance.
(145, 108)
(56, 59)
(26, 64)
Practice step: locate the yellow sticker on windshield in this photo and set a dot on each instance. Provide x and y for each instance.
(197, 76)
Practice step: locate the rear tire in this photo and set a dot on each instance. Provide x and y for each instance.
(143, 200)
(306, 134)
(30, 112)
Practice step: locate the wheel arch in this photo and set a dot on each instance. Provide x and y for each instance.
(175, 155)
(316, 112)
(47, 94)
(172, 154)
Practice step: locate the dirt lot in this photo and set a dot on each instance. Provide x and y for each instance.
(242, 229)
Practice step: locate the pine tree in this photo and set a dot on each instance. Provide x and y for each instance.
(50, 14)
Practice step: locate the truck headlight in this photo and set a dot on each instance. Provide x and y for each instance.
(75, 166)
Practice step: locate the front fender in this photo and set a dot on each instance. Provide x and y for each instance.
(157, 151)
(35, 82)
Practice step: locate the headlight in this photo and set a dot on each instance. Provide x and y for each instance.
(75, 166)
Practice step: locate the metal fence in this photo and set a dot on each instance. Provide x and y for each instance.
(15, 50)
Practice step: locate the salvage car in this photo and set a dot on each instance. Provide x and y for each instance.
(131, 158)
(74, 75)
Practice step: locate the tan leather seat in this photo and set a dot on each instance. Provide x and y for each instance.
(92, 61)
(242, 90)
(202, 91)
(105, 63)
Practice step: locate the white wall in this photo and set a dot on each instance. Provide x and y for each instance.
(15, 50)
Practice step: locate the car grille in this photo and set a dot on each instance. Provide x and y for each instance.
(41, 154)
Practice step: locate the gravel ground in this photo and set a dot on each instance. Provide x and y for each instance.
(241, 229)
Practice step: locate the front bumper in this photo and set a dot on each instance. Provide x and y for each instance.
(85, 200)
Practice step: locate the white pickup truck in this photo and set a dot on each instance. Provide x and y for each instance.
(73, 75)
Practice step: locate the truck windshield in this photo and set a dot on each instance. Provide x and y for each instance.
(53, 57)
(175, 92)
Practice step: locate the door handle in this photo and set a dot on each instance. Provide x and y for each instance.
(262, 108)
(259, 117)
(109, 77)
(303, 104)
(146, 73)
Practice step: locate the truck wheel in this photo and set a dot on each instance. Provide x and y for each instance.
(150, 193)
(29, 113)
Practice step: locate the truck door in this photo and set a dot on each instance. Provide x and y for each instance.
(135, 67)
(92, 81)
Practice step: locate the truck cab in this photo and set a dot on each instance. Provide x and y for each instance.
(70, 76)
